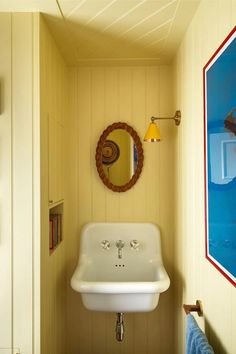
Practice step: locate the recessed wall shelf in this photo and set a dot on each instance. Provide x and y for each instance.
(55, 226)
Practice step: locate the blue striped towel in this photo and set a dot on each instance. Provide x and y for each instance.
(196, 341)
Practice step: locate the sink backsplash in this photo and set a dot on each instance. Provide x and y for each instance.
(100, 238)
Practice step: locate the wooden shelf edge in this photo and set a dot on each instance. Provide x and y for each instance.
(53, 205)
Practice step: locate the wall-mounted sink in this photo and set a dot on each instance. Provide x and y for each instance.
(120, 267)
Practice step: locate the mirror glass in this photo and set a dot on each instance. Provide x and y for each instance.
(119, 157)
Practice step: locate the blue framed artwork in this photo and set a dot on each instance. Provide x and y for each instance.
(219, 75)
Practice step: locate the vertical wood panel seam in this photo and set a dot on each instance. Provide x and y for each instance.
(91, 141)
(119, 109)
(12, 187)
(77, 148)
(159, 150)
(105, 114)
(91, 181)
(132, 115)
(32, 176)
(144, 121)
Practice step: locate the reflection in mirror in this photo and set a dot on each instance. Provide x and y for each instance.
(119, 157)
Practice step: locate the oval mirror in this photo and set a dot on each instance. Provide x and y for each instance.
(119, 157)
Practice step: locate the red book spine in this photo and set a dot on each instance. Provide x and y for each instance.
(50, 234)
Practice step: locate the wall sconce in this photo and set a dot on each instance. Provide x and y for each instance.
(153, 132)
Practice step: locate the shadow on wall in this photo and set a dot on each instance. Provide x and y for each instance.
(2, 96)
(179, 318)
(213, 339)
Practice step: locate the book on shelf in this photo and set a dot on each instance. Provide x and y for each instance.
(50, 234)
(59, 228)
(55, 230)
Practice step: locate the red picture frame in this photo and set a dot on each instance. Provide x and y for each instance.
(219, 140)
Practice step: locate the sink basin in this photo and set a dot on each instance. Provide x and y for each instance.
(120, 279)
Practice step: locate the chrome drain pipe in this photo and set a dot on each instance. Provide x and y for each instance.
(120, 327)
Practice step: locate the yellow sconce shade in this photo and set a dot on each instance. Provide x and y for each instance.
(153, 133)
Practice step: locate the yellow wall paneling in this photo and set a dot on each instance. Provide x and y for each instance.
(5, 165)
(76, 105)
(195, 277)
(54, 319)
(169, 191)
(20, 190)
(120, 173)
(100, 96)
(53, 111)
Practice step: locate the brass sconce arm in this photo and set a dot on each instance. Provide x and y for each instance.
(176, 118)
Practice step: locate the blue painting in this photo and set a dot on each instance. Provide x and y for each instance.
(220, 157)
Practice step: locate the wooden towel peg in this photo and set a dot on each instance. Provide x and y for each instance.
(194, 308)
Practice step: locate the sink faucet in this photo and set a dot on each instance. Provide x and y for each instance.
(120, 244)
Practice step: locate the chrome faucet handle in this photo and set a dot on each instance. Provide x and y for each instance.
(105, 244)
(134, 244)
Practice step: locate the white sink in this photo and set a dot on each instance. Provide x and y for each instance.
(132, 283)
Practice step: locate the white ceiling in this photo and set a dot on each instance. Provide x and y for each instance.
(95, 31)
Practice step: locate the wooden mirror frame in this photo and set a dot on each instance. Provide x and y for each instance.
(98, 157)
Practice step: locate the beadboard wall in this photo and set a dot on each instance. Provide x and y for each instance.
(195, 276)
(53, 105)
(100, 96)
(19, 165)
